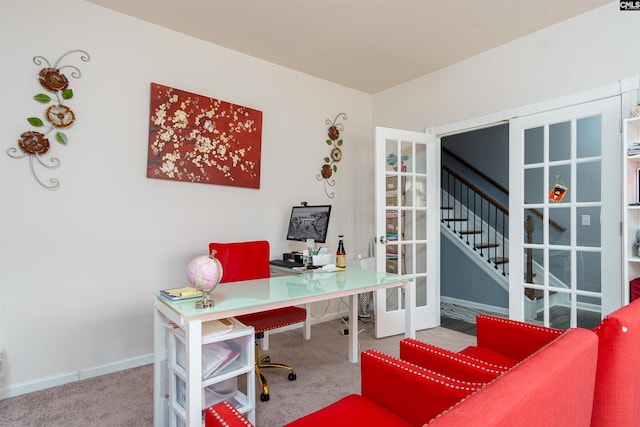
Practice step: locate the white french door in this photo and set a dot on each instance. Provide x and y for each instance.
(564, 211)
(407, 226)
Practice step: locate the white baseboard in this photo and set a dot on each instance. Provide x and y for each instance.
(57, 380)
(476, 305)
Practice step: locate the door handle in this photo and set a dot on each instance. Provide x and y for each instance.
(383, 240)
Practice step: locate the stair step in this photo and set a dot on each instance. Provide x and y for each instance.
(471, 232)
(500, 260)
(486, 245)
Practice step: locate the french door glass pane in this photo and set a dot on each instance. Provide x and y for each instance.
(560, 141)
(534, 227)
(534, 145)
(560, 267)
(421, 224)
(588, 185)
(562, 217)
(421, 158)
(588, 231)
(561, 174)
(589, 137)
(406, 159)
(588, 266)
(533, 185)
(421, 291)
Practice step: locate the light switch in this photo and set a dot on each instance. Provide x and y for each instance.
(586, 219)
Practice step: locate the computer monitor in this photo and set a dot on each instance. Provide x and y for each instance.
(309, 222)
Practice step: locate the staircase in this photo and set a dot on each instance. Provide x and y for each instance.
(478, 220)
(478, 224)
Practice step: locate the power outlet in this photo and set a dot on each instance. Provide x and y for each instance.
(586, 219)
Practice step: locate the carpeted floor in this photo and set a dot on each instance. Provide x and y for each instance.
(125, 398)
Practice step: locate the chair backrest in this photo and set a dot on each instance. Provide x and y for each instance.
(242, 260)
(617, 394)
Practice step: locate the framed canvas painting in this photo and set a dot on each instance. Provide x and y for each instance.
(195, 138)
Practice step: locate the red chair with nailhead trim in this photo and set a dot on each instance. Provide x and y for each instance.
(225, 415)
(500, 344)
(553, 387)
(248, 261)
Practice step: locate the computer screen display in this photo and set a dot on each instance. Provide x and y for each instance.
(309, 222)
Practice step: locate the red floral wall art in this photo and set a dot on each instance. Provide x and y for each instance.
(199, 139)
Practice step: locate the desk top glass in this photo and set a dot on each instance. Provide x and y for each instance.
(235, 298)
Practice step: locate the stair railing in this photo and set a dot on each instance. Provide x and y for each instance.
(477, 214)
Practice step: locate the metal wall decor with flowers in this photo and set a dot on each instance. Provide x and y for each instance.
(58, 116)
(330, 163)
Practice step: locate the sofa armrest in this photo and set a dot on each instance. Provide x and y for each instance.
(617, 396)
(415, 393)
(516, 340)
(455, 365)
(224, 415)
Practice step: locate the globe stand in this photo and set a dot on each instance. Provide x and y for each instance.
(205, 302)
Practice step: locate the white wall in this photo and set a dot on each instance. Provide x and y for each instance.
(78, 265)
(592, 50)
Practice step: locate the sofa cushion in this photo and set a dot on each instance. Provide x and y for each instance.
(455, 365)
(353, 410)
(617, 393)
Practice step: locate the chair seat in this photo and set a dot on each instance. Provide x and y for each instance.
(274, 319)
(489, 356)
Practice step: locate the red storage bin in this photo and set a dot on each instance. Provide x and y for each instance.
(634, 289)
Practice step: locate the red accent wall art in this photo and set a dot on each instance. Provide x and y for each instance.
(199, 139)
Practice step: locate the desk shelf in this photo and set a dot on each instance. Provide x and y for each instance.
(222, 383)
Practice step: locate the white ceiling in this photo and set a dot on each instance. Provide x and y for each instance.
(368, 45)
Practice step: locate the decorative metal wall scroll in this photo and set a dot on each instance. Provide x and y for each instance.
(58, 116)
(330, 163)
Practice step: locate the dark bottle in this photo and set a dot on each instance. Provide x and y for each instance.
(341, 255)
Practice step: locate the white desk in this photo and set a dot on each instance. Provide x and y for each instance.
(251, 296)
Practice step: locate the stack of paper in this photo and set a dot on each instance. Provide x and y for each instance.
(216, 327)
(215, 357)
(181, 293)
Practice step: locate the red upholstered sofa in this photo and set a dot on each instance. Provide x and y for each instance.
(534, 376)
(548, 388)
(617, 395)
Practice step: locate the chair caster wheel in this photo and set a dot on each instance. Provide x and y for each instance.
(264, 397)
(292, 377)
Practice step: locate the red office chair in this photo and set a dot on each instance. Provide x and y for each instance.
(247, 261)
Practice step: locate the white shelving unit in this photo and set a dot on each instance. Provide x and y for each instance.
(631, 215)
(221, 384)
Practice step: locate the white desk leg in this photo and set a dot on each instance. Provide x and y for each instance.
(193, 334)
(306, 334)
(410, 305)
(159, 370)
(353, 328)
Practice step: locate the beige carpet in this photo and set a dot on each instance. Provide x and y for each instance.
(125, 398)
